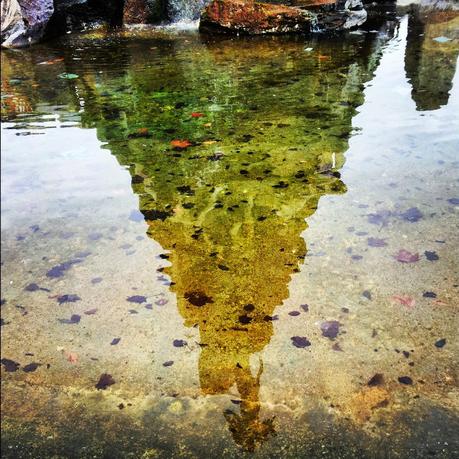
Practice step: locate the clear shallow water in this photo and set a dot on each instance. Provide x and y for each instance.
(246, 293)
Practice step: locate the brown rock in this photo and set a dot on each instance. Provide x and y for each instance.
(254, 18)
(238, 16)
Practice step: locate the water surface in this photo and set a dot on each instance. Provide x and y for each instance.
(232, 247)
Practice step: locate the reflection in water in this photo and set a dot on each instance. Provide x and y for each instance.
(429, 64)
(268, 138)
(231, 210)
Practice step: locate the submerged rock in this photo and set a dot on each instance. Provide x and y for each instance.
(255, 18)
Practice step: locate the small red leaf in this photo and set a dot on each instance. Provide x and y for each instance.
(181, 144)
(197, 115)
(403, 256)
(405, 300)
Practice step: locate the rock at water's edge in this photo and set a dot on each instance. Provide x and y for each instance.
(254, 18)
(24, 21)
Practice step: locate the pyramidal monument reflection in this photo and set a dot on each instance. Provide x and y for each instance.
(231, 211)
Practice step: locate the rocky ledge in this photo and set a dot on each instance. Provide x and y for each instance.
(306, 16)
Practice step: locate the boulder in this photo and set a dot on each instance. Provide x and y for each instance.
(239, 16)
(24, 21)
(254, 18)
(144, 11)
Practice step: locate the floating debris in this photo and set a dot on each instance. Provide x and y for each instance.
(10, 365)
(440, 343)
(376, 380)
(429, 295)
(405, 300)
(375, 242)
(198, 298)
(300, 341)
(431, 255)
(71, 298)
(441, 39)
(330, 328)
(74, 319)
(403, 256)
(31, 367)
(105, 381)
(412, 215)
(137, 299)
(59, 270)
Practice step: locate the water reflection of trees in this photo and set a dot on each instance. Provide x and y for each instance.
(430, 65)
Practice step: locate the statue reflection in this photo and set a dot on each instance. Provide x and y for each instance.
(234, 241)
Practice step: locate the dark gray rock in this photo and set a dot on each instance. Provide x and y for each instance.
(24, 21)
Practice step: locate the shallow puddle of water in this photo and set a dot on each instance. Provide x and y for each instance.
(232, 247)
